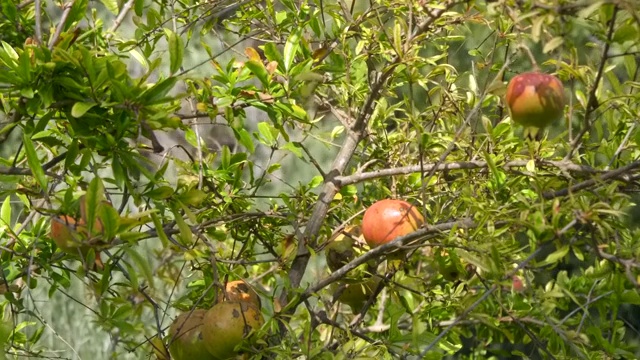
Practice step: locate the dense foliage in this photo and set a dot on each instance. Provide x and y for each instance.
(235, 140)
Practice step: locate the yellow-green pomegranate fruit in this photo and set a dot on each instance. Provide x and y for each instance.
(227, 324)
(356, 294)
(186, 341)
(342, 249)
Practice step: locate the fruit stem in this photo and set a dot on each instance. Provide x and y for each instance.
(532, 59)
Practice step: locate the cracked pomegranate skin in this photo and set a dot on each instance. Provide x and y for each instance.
(388, 219)
(238, 291)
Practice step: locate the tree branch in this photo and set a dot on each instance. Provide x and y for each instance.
(613, 174)
(565, 166)
(63, 20)
(38, 19)
(120, 18)
(592, 102)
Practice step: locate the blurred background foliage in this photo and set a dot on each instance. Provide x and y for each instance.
(217, 128)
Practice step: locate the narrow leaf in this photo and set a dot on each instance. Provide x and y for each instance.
(158, 91)
(176, 51)
(258, 69)
(290, 49)
(138, 7)
(91, 202)
(34, 162)
(185, 236)
(5, 213)
(81, 108)
(160, 230)
(552, 44)
(555, 256)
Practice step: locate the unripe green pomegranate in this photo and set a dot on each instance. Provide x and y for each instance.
(185, 337)
(356, 294)
(342, 249)
(227, 324)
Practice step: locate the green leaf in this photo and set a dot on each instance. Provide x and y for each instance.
(293, 148)
(245, 139)
(531, 166)
(141, 59)
(118, 170)
(587, 11)
(25, 66)
(138, 6)
(626, 32)
(555, 256)
(157, 92)
(157, 224)
(110, 220)
(34, 162)
(185, 236)
(272, 53)
(72, 153)
(273, 167)
(193, 197)
(78, 11)
(5, 212)
(630, 297)
(266, 134)
(553, 44)
(630, 65)
(290, 49)
(397, 37)
(10, 11)
(176, 51)
(299, 112)
(81, 108)
(142, 264)
(111, 5)
(316, 181)
(225, 157)
(92, 202)
(10, 52)
(6, 329)
(159, 193)
(258, 69)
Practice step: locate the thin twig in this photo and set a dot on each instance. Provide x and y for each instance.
(63, 20)
(38, 19)
(120, 18)
(623, 143)
(24, 4)
(592, 102)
